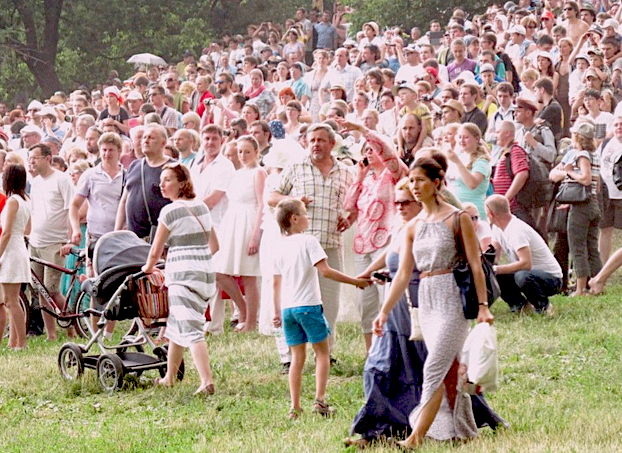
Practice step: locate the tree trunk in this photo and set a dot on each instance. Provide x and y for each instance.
(46, 77)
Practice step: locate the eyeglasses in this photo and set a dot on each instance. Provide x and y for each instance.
(474, 218)
(403, 203)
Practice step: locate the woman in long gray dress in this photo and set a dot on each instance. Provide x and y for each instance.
(444, 411)
(186, 226)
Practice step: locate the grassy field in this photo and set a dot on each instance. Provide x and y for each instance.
(560, 391)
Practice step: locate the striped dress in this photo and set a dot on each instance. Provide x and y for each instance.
(189, 275)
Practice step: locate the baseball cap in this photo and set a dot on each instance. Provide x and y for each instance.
(487, 67)
(518, 29)
(35, 105)
(585, 129)
(134, 96)
(30, 129)
(47, 110)
(405, 85)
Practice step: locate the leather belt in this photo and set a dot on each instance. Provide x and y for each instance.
(427, 274)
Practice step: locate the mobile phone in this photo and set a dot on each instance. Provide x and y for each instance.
(381, 276)
(366, 162)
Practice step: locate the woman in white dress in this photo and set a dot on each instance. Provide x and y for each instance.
(14, 257)
(240, 233)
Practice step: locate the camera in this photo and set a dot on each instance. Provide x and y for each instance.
(68, 118)
(426, 98)
(365, 162)
(226, 132)
(207, 102)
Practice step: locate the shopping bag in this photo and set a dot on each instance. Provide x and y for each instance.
(479, 353)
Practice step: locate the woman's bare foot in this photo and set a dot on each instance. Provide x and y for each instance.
(205, 390)
(596, 287)
(578, 294)
(406, 445)
(162, 383)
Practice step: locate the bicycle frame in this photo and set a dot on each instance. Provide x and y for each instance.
(42, 291)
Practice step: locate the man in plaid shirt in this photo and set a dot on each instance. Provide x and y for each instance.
(321, 182)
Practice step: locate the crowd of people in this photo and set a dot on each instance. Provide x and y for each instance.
(251, 162)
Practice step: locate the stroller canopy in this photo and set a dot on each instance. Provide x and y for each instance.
(119, 248)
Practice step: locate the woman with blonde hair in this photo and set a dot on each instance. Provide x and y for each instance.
(474, 175)
(191, 120)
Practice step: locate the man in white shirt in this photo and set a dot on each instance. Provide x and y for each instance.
(51, 195)
(533, 274)
(342, 74)
(211, 174)
(411, 64)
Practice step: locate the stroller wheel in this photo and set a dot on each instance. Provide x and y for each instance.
(70, 362)
(110, 372)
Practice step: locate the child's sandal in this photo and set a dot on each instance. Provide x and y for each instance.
(322, 408)
(294, 413)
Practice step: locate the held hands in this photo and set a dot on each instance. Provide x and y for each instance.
(484, 315)
(362, 283)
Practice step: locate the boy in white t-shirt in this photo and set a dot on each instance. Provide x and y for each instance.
(298, 302)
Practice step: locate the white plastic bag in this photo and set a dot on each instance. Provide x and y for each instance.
(479, 353)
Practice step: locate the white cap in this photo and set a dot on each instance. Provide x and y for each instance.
(134, 96)
(30, 129)
(47, 110)
(35, 105)
(467, 76)
(112, 90)
(518, 29)
(611, 23)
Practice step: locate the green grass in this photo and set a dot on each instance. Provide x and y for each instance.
(560, 390)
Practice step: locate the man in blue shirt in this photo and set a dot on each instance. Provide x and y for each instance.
(326, 32)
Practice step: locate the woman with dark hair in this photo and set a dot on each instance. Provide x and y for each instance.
(186, 226)
(14, 257)
(431, 242)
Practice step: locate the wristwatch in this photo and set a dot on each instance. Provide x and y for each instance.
(485, 304)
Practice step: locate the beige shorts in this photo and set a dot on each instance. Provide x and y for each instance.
(51, 277)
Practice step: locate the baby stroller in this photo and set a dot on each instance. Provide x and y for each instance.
(120, 291)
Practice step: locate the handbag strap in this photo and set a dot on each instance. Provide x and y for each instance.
(142, 184)
(200, 223)
(458, 234)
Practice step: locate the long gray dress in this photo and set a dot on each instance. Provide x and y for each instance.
(444, 329)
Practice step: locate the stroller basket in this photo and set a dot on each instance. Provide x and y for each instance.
(150, 296)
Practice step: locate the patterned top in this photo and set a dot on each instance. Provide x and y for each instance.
(328, 196)
(189, 260)
(373, 199)
(595, 164)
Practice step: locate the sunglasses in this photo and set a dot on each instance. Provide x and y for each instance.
(403, 203)
(474, 218)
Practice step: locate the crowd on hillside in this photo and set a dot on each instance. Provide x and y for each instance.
(500, 129)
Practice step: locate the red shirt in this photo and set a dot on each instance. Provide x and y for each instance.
(502, 180)
(3, 199)
(201, 107)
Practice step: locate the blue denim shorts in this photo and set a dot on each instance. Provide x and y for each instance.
(305, 325)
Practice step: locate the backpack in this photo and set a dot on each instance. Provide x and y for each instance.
(538, 190)
(617, 166)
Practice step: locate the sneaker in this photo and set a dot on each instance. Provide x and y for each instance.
(322, 408)
(286, 367)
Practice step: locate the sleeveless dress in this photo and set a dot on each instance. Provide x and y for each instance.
(444, 329)
(314, 107)
(15, 262)
(237, 225)
(189, 276)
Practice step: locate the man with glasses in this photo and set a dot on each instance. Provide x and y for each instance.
(575, 27)
(51, 195)
(168, 115)
(180, 103)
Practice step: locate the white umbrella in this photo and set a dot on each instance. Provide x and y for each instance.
(147, 59)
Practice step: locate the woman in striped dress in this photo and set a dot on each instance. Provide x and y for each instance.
(185, 226)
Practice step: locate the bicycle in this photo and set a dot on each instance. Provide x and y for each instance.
(76, 301)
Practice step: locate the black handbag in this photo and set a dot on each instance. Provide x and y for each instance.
(464, 276)
(573, 192)
(558, 218)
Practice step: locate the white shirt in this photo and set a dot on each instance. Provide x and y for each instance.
(517, 235)
(608, 156)
(295, 261)
(216, 176)
(408, 73)
(51, 198)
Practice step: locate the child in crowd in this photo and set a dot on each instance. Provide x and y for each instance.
(298, 306)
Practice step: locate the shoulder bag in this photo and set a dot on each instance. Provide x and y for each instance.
(464, 276)
(573, 192)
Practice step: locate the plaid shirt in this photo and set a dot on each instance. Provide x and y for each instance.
(328, 195)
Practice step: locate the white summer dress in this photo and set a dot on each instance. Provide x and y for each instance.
(236, 228)
(15, 262)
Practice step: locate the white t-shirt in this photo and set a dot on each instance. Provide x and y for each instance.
(408, 73)
(51, 198)
(483, 230)
(216, 176)
(295, 261)
(607, 157)
(518, 235)
(603, 124)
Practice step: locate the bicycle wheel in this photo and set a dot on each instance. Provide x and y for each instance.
(82, 303)
(23, 303)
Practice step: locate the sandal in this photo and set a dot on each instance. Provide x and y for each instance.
(294, 413)
(208, 390)
(322, 408)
